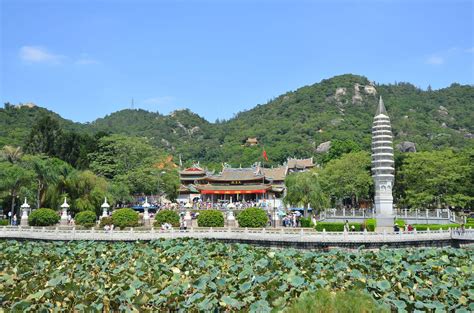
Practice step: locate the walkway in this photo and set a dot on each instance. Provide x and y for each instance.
(278, 235)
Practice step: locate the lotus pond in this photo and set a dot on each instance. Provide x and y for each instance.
(193, 275)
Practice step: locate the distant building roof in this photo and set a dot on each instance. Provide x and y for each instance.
(233, 189)
(277, 173)
(252, 141)
(300, 163)
(194, 170)
(237, 174)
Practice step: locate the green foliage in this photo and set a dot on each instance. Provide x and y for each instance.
(306, 222)
(400, 223)
(248, 278)
(85, 218)
(87, 191)
(339, 227)
(370, 224)
(210, 218)
(423, 227)
(125, 218)
(43, 217)
(252, 218)
(437, 179)
(323, 301)
(348, 177)
(166, 216)
(338, 148)
(3, 222)
(106, 220)
(305, 189)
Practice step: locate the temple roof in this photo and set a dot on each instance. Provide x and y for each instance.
(277, 173)
(233, 174)
(192, 171)
(300, 163)
(381, 108)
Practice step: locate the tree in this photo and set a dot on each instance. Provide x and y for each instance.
(305, 189)
(44, 137)
(47, 173)
(339, 148)
(120, 155)
(348, 177)
(437, 179)
(11, 154)
(12, 178)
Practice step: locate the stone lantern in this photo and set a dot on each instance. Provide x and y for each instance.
(105, 207)
(146, 215)
(230, 219)
(25, 209)
(64, 208)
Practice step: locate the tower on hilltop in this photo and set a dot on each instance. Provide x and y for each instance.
(383, 167)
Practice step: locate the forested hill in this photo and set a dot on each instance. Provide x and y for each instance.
(293, 124)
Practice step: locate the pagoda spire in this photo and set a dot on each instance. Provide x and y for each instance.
(381, 108)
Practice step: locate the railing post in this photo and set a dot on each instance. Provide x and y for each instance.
(365, 234)
(324, 234)
(353, 212)
(427, 213)
(437, 212)
(384, 235)
(301, 232)
(246, 230)
(344, 212)
(406, 213)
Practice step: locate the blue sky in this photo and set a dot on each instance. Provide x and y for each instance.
(85, 59)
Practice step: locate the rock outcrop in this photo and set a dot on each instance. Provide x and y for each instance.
(324, 147)
(406, 146)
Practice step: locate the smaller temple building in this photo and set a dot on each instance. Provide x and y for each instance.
(299, 165)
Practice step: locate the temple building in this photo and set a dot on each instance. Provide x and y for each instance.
(189, 177)
(383, 166)
(299, 165)
(253, 184)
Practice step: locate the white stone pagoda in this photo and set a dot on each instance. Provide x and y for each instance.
(383, 168)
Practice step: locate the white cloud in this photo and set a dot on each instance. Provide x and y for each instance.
(159, 100)
(37, 54)
(435, 60)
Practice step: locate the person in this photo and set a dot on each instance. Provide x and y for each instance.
(14, 220)
(353, 228)
(346, 226)
(410, 227)
(185, 226)
(313, 219)
(462, 228)
(106, 228)
(396, 228)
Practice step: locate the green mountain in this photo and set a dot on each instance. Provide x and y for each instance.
(293, 124)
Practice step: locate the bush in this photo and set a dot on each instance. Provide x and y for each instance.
(423, 227)
(400, 223)
(125, 218)
(107, 220)
(85, 218)
(330, 226)
(306, 222)
(3, 222)
(353, 301)
(253, 218)
(210, 218)
(43, 217)
(167, 216)
(370, 224)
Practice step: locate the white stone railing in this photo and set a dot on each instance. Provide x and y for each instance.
(255, 234)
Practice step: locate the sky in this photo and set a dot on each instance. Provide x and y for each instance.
(84, 59)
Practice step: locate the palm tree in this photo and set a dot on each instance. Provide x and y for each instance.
(11, 154)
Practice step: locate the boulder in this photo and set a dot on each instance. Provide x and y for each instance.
(324, 147)
(406, 146)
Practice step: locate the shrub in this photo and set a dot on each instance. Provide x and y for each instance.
(3, 222)
(85, 218)
(370, 224)
(330, 226)
(423, 227)
(353, 301)
(253, 217)
(125, 218)
(167, 216)
(210, 218)
(43, 217)
(306, 222)
(107, 220)
(400, 223)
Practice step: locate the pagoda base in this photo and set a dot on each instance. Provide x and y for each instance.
(384, 223)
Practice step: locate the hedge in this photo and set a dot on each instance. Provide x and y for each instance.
(167, 216)
(370, 224)
(125, 218)
(330, 226)
(43, 217)
(85, 218)
(210, 218)
(3, 222)
(306, 222)
(106, 220)
(422, 227)
(253, 218)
